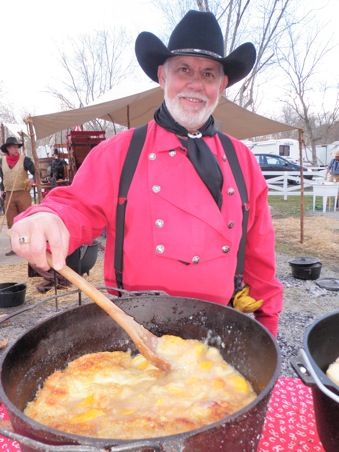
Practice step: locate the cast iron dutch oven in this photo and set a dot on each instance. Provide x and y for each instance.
(83, 259)
(12, 294)
(305, 267)
(321, 348)
(243, 342)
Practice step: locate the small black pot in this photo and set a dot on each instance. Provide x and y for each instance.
(12, 294)
(83, 258)
(321, 345)
(310, 271)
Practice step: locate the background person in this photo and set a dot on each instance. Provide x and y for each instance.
(183, 221)
(58, 166)
(333, 168)
(15, 183)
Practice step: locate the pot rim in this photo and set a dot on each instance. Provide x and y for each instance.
(304, 261)
(321, 375)
(317, 380)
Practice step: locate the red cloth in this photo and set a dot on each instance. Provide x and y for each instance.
(5, 443)
(172, 221)
(12, 159)
(290, 424)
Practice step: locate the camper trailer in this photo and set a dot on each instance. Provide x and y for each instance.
(325, 152)
(289, 149)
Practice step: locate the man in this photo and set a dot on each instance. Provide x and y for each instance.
(183, 222)
(58, 166)
(333, 168)
(14, 169)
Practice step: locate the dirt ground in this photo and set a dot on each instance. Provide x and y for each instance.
(304, 301)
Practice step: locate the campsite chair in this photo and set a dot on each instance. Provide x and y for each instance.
(325, 191)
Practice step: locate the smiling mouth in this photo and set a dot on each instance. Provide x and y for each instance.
(193, 100)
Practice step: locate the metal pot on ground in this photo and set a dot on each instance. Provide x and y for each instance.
(306, 267)
(321, 348)
(243, 342)
(83, 259)
(12, 294)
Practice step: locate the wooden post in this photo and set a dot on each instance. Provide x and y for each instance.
(28, 121)
(22, 139)
(3, 133)
(302, 197)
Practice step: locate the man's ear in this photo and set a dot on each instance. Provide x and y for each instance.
(223, 84)
(161, 76)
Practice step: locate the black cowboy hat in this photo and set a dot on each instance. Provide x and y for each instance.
(197, 34)
(9, 142)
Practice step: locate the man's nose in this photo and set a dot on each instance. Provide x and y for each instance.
(196, 80)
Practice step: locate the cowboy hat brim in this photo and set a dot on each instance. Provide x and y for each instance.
(151, 53)
(5, 146)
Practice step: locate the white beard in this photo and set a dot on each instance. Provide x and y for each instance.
(189, 118)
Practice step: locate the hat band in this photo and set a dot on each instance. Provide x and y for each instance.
(199, 51)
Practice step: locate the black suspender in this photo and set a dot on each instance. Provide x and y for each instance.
(239, 179)
(128, 170)
(130, 164)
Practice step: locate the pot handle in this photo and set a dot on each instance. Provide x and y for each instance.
(310, 378)
(36, 445)
(300, 368)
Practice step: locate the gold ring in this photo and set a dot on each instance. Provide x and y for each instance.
(24, 240)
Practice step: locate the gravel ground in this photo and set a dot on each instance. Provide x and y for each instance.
(304, 301)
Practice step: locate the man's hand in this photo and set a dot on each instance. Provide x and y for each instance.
(32, 235)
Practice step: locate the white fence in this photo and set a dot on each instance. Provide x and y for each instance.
(287, 183)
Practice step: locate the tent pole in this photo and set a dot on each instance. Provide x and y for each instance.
(23, 142)
(128, 118)
(302, 197)
(29, 122)
(3, 133)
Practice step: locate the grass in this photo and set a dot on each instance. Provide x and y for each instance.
(320, 232)
(291, 207)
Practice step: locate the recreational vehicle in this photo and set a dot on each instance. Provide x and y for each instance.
(289, 149)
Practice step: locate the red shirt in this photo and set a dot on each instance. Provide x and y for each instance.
(176, 238)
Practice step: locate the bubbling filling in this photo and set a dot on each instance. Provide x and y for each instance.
(119, 396)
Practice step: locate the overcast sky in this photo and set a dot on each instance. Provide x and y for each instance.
(32, 31)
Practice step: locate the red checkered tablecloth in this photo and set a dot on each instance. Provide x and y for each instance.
(289, 426)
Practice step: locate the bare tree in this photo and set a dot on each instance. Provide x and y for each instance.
(259, 21)
(299, 58)
(7, 115)
(92, 66)
(6, 110)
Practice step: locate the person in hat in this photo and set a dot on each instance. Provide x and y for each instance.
(333, 168)
(58, 166)
(15, 183)
(184, 214)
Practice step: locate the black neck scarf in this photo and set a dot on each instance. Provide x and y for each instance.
(200, 155)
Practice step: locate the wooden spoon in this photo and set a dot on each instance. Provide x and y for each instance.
(144, 340)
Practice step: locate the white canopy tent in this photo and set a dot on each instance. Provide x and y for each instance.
(132, 105)
(15, 130)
